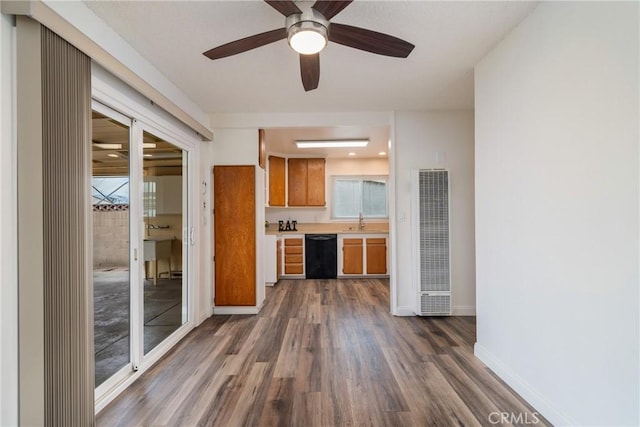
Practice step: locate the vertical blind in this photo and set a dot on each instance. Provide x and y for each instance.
(68, 331)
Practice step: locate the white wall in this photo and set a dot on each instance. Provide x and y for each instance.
(205, 245)
(436, 140)
(557, 197)
(333, 167)
(240, 147)
(8, 227)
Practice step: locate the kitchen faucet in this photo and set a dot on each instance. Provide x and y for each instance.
(361, 222)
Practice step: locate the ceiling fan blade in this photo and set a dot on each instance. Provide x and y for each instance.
(370, 41)
(285, 7)
(330, 8)
(246, 44)
(310, 71)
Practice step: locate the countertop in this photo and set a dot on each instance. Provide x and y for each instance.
(332, 228)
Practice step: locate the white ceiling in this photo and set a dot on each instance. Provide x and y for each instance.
(450, 38)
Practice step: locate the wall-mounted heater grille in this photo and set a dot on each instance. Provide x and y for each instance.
(431, 226)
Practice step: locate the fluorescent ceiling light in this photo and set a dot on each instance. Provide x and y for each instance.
(333, 143)
(352, 154)
(113, 155)
(382, 153)
(148, 145)
(107, 146)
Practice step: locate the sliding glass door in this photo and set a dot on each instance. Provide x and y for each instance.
(141, 244)
(111, 191)
(165, 254)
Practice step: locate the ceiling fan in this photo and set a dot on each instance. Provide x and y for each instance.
(308, 33)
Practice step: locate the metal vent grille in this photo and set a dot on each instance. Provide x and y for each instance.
(435, 304)
(433, 187)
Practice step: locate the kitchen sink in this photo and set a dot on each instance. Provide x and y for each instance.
(366, 230)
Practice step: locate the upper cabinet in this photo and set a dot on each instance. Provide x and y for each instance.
(162, 195)
(306, 182)
(276, 181)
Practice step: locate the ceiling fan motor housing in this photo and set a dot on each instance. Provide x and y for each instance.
(309, 20)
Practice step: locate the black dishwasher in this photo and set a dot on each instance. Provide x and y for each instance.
(321, 256)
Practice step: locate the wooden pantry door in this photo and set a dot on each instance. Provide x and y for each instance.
(234, 195)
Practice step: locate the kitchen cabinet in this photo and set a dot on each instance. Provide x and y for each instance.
(352, 250)
(377, 255)
(365, 255)
(276, 181)
(306, 181)
(235, 235)
(163, 195)
(294, 256)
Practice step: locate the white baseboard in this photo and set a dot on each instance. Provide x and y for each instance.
(529, 393)
(404, 311)
(235, 310)
(463, 310)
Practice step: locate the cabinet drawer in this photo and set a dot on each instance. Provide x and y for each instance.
(293, 242)
(293, 269)
(377, 241)
(293, 259)
(353, 241)
(293, 250)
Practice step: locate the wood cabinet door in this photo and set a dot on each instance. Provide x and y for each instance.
(297, 182)
(293, 256)
(377, 256)
(235, 235)
(276, 181)
(352, 256)
(315, 182)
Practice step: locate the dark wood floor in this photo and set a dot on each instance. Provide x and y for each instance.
(321, 353)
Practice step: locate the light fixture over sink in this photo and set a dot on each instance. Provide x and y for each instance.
(334, 143)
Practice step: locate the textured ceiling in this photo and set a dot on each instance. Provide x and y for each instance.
(450, 38)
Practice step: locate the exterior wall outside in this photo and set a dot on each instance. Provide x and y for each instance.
(110, 239)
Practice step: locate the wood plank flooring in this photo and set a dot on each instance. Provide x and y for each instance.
(322, 353)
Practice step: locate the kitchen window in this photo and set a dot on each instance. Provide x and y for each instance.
(352, 195)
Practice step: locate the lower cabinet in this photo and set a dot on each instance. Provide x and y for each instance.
(362, 256)
(294, 256)
(352, 250)
(377, 255)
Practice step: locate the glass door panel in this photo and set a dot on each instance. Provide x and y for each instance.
(164, 247)
(111, 229)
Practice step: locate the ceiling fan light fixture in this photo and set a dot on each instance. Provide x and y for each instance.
(307, 32)
(307, 37)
